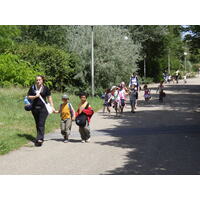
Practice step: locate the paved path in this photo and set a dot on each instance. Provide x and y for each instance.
(157, 139)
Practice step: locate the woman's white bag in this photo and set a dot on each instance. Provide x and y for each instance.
(48, 106)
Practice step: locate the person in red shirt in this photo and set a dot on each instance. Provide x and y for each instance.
(85, 108)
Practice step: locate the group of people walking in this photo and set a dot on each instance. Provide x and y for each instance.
(116, 97)
(175, 78)
(38, 95)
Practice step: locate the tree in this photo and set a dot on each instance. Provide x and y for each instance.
(192, 39)
(115, 54)
(45, 34)
(152, 42)
(174, 48)
(58, 65)
(157, 43)
(8, 34)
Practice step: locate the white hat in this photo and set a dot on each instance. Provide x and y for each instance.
(65, 96)
(113, 87)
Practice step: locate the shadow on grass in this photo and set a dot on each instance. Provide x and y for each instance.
(27, 136)
(162, 141)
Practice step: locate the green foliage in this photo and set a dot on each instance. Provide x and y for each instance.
(144, 80)
(192, 39)
(63, 53)
(14, 71)
(59, 66)
(174, 47)
(45, 34)
(115, 56)
(196, 67)
(158, 44)
(152, 42)
(8, 34)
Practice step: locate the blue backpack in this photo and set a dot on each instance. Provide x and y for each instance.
(28, 102)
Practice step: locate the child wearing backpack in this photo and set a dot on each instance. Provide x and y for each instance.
(133, 93)
(67, 114)
(83, 117)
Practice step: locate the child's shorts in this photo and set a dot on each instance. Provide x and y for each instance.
(133, 102)
(122, 102)
(108, 104)
(147, 96)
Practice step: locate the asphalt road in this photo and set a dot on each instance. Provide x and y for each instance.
(157, 139)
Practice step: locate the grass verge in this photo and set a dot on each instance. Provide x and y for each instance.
(17, 126)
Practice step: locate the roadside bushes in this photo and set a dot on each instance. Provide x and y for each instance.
(196, 67)
(146, 80)
(14, 71)
(59, 66)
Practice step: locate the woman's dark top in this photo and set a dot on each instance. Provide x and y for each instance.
(44, 93)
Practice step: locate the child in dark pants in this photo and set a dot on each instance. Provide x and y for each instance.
(86, 109)
(161, 92)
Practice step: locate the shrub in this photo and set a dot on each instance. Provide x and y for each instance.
(147, 80)
(196, 67)
(8, 34)
(14, 71)
(58, 65)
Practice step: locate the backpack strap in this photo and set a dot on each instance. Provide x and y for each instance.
(70, 108)
(86, 107)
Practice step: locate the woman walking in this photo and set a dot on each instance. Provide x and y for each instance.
(39, 111)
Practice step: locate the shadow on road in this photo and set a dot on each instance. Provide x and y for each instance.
(162, 141)
(70, 140)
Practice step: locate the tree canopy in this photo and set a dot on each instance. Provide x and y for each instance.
(63, 53)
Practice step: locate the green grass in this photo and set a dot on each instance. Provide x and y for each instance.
(17, 126)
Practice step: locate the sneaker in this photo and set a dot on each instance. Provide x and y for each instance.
(66, 141)
(82, 141)
(88, 140)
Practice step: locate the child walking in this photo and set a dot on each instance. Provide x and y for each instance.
(83, 117)
(107, 101)
(185, 79)
(133, 93)
(67, 114)
(122, 95)
(147, 93)
(161, 92)
(115, 98)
